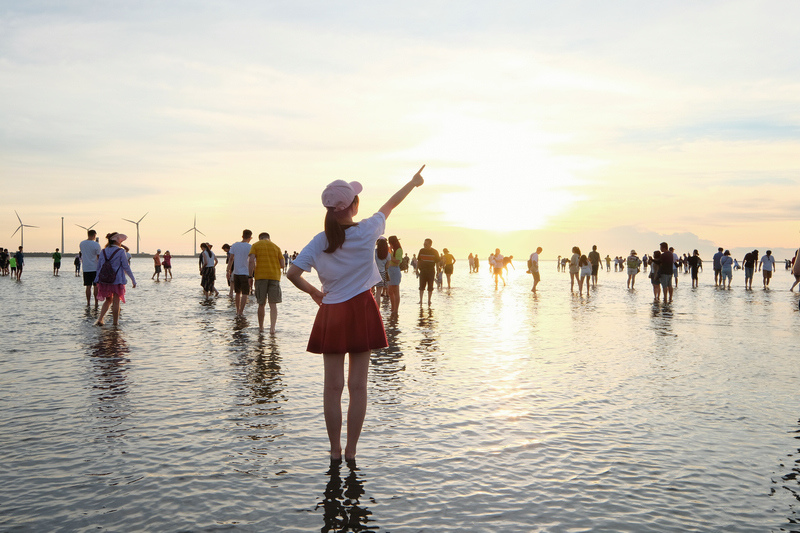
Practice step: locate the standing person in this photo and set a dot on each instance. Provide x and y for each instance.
(633, 263)
(535, 267)
(477, 262)
(348, 320)
(393, 270)
(112, 290)
(77, 262)
(449, 260)
(12, 261)
(227, 249)
(285, 260)
(594, 259)
(239, 270)
(56, 262)
(574, 267)
(4, 261)
(695, 265)
(726, 264)
(665, 271)
(558, 264)
(167, 263)
(795, 270)
(717, 266)
(157, 264)
(608, 263)
(208, 272)
(749, 263)
(655, 277)
(90, 255)
(469, 262)
(414, 264)
(20, 259)
(382, 259)
(767, 267)
(586, 273)
(266, 266)
(427, 259)
(496, 260)
(676, 266)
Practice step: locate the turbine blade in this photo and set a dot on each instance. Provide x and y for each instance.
(187, 231)
(143, 217)
(129, 220)
(200, 232)
(15, 231)
(15, 212)
(84, 227)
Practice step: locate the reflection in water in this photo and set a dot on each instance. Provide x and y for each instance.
(791, 483)
(342, 508)
(262, 375)
(662, 319)
(109, 356)
(387, 363)
(428, 345)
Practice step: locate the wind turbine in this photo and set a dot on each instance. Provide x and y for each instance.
(21, 229)
(196, 231)
(137, 229)
(90, 227)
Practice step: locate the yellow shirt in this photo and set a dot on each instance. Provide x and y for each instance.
(268, 260)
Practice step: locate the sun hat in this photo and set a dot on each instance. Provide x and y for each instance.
(339, 194)
(633, 252)
(119, 237)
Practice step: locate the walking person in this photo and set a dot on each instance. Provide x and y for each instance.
(382, 259)
(767, 267)
(496, 261)
(266, 266)
(594, 259)
(239, 271)
(574, 267)
(208, 272)
(110, 278)
(655, 277)
(20, 260)
(633, 263)
(586, 274)
(749, 264)
(695, 265)
(726, 265)
(348, 320)
(90, 255)
(393, 270)
(77, 263)
(157, 266)
(717, 266)
(449, 260)
(665, 270)
(795, 270)
(427, 259)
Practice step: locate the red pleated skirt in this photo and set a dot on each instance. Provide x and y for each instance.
(353, 326)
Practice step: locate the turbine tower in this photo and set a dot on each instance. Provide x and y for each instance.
(196, 231)
(137, 229)
(21, 230)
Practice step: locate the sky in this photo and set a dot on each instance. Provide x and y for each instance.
(550, 124)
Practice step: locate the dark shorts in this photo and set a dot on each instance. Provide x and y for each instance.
(268, 290)
(56, 265)
(241, 284)
(666, 280)
(158, 269)
(767, 274)
(448, 269)
(594, 269)
(748, 272)
(536, 276)
(88, 278)
(426, 278)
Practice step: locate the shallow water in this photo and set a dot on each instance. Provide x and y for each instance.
(490, 411)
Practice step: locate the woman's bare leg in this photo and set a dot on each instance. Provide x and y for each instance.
(332, 401)
(115, 309)
(357, 408)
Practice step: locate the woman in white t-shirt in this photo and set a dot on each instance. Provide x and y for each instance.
(348, 320)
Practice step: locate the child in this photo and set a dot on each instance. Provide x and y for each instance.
(348, 320)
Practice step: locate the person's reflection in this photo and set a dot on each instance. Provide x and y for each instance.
(429, 342)
(387, 362)
(662, 319)
(109, 356)
(342, 507)
(261, 385)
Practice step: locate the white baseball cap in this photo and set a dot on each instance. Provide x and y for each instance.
(340, 194)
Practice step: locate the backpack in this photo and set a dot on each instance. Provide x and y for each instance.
(107, 272)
